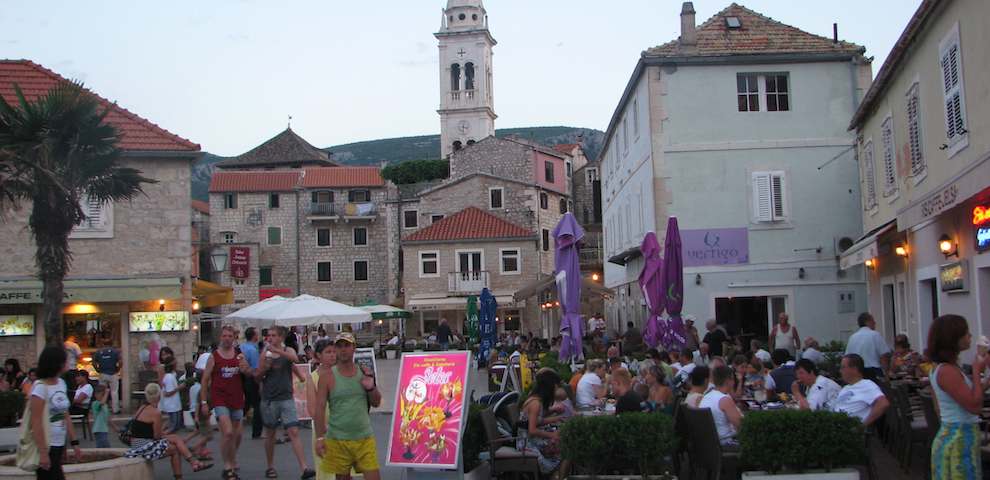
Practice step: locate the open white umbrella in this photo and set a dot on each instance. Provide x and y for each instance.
(301, 310)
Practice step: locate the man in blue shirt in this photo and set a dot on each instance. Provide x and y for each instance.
(107, 364)
(252, 393)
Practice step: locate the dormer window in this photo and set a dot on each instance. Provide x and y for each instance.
(733, 22)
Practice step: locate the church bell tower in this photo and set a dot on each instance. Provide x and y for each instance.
(467, 108)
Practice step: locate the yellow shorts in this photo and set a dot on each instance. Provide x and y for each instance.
(341, 455)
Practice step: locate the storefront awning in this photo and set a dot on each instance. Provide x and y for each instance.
(865, 248)
(210, 294)
(451, 303)
(94, 290)
(625, 256)
(588, 288)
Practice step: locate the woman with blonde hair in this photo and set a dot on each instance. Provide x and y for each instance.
(148, 440)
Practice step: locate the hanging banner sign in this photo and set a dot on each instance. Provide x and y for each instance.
(240, 262)
(716, 246)
(430, 411)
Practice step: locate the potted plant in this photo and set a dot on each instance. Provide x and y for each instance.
(11, 406)
(801, 444)
(632, 445)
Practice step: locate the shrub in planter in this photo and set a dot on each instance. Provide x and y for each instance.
(474, 440)
(11, 406)
(638, 443)
(799, 440)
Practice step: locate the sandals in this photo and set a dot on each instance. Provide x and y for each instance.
(229, 474)
(196, 465)
(271, 473)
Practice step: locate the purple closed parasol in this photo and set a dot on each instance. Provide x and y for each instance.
(673, 335)
(650, 282)
(568, 235)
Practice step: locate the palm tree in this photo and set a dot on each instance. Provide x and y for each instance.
(56, 152)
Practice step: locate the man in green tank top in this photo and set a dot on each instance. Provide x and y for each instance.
(345, 439)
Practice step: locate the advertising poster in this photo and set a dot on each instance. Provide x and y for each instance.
(430, 411)
(365, 357)
(159, 321)
(11, 325)
(299, 390)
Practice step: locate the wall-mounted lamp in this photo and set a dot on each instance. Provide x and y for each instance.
(595, 276)
(195, 306)
(870, 263)
(161, 305)
(947, 246)
(801, 273)
(901, 250)
(697, 279)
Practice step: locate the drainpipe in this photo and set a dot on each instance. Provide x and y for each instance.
(298, 252)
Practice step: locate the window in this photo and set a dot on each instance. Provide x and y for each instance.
(591, 175)
(98, 222)
(323, 271)
(469, 76)
(495, 198)
(914, 132)
(360, 270)
(323, 237)
(360, 236)
(548, 171)
(273, 200)
(470, 260)
(410, 219)
(889, 168)
(228, 237)
(435, 218)
(950, 61)
(322, 196)
(546, 240)
(264, 276)
(509, 264)
(777, 91)
(544, 200)
(869, 177)
(229, 200)
(274, 235)
(429, 264)
(569, 169)
(563, 206)
(768, 197)
(635, 117)
(455, 77)
(748, 93)
(359, 196)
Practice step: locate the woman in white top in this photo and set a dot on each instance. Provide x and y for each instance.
(726, 414)
(591, 387)
(51, 389)
(785, 335)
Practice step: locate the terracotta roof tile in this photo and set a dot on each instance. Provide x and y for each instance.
(758, 34)
(201, 207)
(469, 224)
(284, 149)
(137, 134)
(566, 147)
(326, 177)
(255, 181)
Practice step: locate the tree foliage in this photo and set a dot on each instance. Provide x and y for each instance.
(415, 171)
(56, 151)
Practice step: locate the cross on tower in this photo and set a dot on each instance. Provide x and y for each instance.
(461, 53)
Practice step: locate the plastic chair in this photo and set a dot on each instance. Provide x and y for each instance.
(502, 452)
(704, 449)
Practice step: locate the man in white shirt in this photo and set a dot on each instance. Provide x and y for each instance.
(820, 391)
(72, 352)
(869, 345)
(591, 387)
(592, 325)
(701, 356)
(811, 351)
(201, 361)
(860, 398)
(758, 351)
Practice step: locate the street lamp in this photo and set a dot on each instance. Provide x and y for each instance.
(218, 258)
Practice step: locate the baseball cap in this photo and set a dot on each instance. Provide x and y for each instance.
(345, 337)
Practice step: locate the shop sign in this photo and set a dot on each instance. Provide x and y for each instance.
(981, 227)
(240, 262)
(718, 246)
(159, 321)
(953, 276)
(12, 325)
(430, 411)
(27, 296)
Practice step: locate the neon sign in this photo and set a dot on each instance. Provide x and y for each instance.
(981, 215)
(983, 239)
(981, 222)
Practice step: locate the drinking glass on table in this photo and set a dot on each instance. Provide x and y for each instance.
(760, 395)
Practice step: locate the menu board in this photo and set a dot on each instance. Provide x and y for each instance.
(430, 411)
(12, 325)
(159, 321)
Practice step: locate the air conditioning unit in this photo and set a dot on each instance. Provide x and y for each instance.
(841, 244)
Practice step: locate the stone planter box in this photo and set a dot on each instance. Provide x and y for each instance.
(391, 354)
(837, 474)
(99, 464)
(621, 477)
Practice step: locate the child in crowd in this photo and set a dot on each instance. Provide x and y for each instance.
(757, 377)
(562, 405)
(203, 428)
(171, 403)
(29, 382)
(100, 412)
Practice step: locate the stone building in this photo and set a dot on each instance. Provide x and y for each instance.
(132, 261)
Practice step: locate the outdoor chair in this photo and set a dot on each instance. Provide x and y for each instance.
(704, 449)
(913, 430)
(681, 433)
(888, 426)
(502, 453)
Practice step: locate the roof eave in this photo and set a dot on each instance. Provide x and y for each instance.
(470, 240)
(191, 154)
(754, 58)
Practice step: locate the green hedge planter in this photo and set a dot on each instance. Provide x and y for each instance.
(797, 441)
(637, 444)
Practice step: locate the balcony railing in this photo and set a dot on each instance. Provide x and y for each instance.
(322, 210)
(467, 282)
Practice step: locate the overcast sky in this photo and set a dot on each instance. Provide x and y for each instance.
(227, 74)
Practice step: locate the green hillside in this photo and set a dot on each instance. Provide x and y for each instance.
(395, 150)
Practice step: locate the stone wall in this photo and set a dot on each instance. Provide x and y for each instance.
(503, 284)
(494, 156)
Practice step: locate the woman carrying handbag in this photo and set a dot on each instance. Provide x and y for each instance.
(49, 394)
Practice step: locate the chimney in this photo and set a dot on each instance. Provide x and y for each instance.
(835, 33)
(689, 35)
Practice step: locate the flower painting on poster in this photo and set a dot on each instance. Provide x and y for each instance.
(429, 411)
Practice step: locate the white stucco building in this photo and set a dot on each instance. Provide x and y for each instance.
(738, 128)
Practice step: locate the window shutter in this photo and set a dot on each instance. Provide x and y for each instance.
(315, 197)
(870, 176)
(777, 196)
(952, 82)
(889, 169)
(914, 132)
(762, 198)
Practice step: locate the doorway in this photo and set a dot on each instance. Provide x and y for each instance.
(744, 316)
(927, 304)
(889, 313)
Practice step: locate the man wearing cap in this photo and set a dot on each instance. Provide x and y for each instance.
(345, 439)
(692, 334)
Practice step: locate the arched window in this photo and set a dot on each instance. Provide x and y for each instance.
(469, 76)
(455, 77)
(457, 145)
(563, 206)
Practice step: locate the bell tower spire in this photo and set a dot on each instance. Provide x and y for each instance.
(467, 108)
